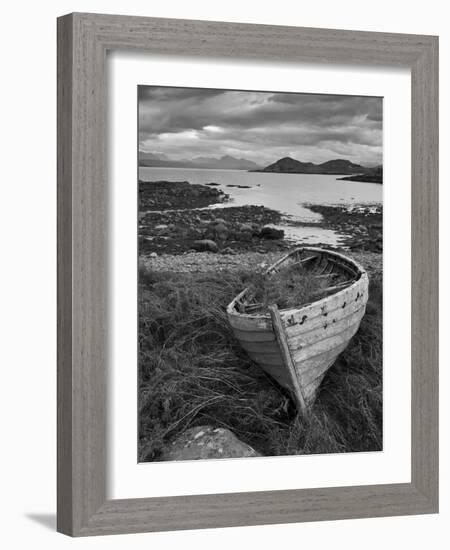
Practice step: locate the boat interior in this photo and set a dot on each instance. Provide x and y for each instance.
(338, 271)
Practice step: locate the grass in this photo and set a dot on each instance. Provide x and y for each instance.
(193, 372)
(290, 287)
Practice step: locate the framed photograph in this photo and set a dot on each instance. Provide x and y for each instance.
(247, 274)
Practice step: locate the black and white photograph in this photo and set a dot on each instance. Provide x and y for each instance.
(260, 244)
(221, 272)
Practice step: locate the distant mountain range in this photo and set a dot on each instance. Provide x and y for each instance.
(226, 162)
(288, 165)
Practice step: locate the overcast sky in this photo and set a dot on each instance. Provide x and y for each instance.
(182, 123)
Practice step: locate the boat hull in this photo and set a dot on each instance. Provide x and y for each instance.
(316, 333)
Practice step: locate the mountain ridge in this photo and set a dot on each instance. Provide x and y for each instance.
(222, 163)
(288, 165)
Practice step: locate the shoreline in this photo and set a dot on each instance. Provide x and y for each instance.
(207, 262)
(183, 221)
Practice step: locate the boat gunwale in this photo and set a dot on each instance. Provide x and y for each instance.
(231, 309)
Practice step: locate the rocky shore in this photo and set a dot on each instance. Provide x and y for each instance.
(165, 195)
(175, 218)
(360, 225)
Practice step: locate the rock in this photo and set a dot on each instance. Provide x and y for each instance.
(244, 232)
(163, 229)
(153, 255)
(205, 442)
(195, 233)
(245, 227)
(228, 250)
(268, 232)
(205, 245)
(217, 231)
(221, 232)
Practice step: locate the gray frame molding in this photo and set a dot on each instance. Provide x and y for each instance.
(83, 40)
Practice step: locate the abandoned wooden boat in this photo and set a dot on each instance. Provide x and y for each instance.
(297, 346)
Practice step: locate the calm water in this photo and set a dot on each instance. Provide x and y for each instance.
(287, 193)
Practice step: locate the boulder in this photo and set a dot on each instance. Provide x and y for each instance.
(220, 232)
(205, 245)
(195, 233)
(228, 250)
(244, 236)
(245, 227)
(217, 231)
(268, 232)
(164, 229)
(205, 442)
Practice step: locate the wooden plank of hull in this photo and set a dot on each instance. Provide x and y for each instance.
(327, 329)
(260, 347)
(252, 323)
(309, 370)
(267, 358)
(310, 392)
(325, 345)
(309, 388)
(332, 317)
(254, 336)
(279, 373)
(301, 330)
(349, 297)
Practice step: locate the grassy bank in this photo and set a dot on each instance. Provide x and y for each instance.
(193, 372)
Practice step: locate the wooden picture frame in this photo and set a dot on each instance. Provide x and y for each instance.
(83, 41)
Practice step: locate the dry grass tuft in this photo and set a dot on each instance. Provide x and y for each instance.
(291, 287)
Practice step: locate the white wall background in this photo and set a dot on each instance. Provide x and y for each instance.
(28, 300)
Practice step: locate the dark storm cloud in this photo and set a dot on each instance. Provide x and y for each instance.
(260, 126)
(165, 94)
